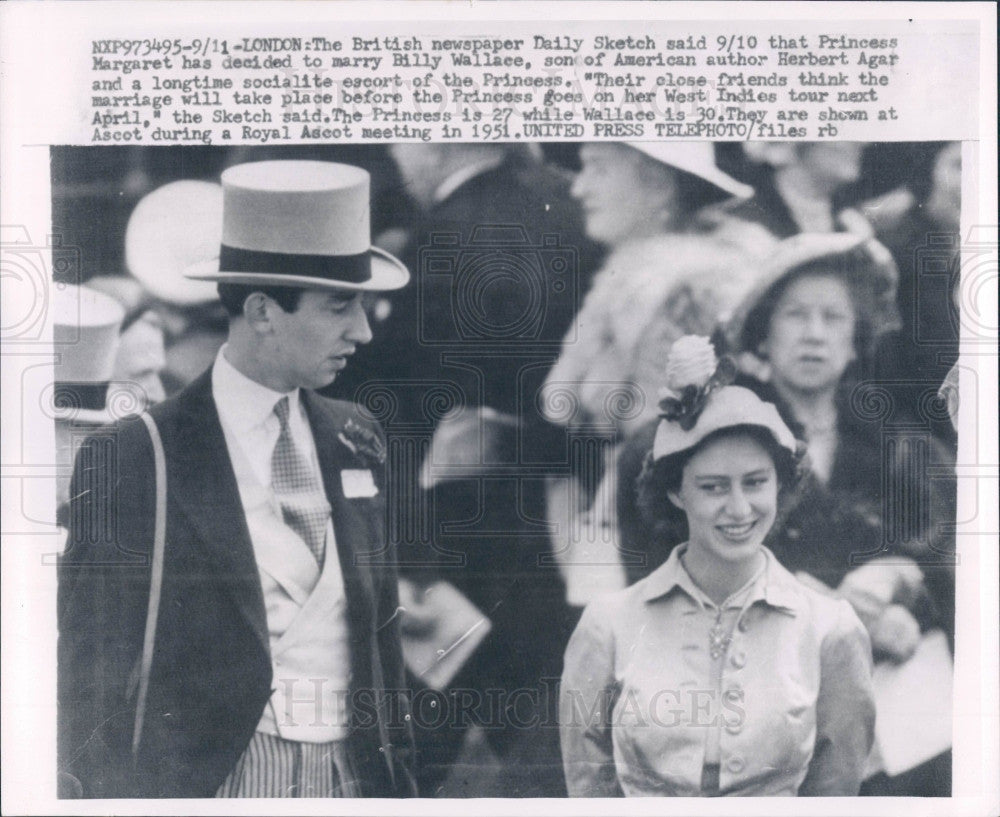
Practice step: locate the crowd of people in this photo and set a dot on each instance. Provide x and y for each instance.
(582, 525)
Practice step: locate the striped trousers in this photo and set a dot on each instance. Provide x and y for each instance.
(274, 767)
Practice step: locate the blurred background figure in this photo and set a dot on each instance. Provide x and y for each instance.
(86, 325)
(141, 358)
(110, 363)
(499, 257)
(669, 272)
(140, 362)
(176, 226)
(484, 208)
(796, 187)
(923, 236)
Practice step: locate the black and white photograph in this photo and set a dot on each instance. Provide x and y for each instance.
(577, 453)
(634, 447)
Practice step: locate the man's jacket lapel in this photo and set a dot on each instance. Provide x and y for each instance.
(352, 526)
(202, 483)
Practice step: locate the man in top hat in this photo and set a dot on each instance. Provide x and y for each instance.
(85, 335)
(275, 664)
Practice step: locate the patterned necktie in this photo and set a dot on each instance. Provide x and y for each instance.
(304, 506)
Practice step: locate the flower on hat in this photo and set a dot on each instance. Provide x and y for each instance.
(692, 362)
(693, 373)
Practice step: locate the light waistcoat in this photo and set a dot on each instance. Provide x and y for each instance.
(306, 617)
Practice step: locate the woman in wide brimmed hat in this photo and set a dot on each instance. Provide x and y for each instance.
(718, 674)
(669, 272)
(804, 337)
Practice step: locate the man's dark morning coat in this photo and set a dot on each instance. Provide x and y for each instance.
(211, 673)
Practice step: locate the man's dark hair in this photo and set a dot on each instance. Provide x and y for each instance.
(663, 476)
(233, 296)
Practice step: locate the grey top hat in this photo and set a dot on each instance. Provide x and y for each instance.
(85, 327)
(299, 224)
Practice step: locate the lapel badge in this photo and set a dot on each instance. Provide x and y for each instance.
(358, 483)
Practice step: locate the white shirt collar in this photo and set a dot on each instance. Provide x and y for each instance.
(243, 403)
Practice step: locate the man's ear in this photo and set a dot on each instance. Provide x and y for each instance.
(257, 312)
(675, 499)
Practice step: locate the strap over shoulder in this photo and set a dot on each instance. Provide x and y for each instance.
(156, 578)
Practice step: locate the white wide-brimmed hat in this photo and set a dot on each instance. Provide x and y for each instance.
(85, 327)
(727, 407)
(696, 158)
(299, 224)
(171, 229)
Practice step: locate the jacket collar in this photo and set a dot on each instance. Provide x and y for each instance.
(778, 588)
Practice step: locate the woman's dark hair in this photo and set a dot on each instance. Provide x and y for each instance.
(663, 476)
(853, 268)
(233, 296)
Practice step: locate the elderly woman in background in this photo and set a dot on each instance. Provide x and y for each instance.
(872, 517)
(669, 272)
(719, 673)
(804, 337)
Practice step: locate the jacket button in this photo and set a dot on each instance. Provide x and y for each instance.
(735, 765)
(738, 659)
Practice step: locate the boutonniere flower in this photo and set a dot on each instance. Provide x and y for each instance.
(363, 442)
(693, 373)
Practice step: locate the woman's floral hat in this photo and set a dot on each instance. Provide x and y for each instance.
(698, 400)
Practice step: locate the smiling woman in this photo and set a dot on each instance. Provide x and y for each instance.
(728, 490)
(788, 707)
